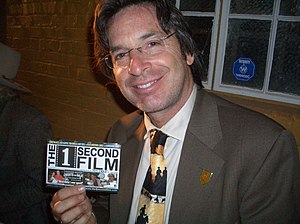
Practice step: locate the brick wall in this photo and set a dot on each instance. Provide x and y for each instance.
(53, 38)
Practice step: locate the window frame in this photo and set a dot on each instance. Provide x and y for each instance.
(214, 37)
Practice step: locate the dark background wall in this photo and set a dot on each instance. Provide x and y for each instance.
(3, 21)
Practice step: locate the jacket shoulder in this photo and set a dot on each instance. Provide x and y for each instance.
(125, 126)
(229, 111)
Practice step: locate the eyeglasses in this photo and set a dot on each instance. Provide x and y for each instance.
(150, 48)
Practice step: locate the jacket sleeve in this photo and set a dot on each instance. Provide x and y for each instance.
(273, 195)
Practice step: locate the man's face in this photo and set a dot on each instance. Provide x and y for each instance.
(158, 85)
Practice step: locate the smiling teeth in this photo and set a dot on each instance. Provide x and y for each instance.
(145, 85)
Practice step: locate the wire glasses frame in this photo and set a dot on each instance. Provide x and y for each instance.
(150, 48)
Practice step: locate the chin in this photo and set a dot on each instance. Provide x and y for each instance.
(149, 105)
(150, 108)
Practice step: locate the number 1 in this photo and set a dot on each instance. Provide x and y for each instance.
(66, 157)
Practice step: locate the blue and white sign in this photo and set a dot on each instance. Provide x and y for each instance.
(243, 69)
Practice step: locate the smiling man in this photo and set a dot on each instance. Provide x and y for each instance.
(222, 163)
(159, 83)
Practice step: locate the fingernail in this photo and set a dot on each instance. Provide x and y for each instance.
(81, 189)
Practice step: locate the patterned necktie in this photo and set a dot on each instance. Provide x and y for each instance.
(152, 200)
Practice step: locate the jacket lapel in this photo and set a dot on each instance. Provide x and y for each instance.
(130, 157)
(197, 159)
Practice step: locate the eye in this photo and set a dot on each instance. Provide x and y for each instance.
(154, 43)
(120, 56)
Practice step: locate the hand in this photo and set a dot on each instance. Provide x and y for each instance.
(71, 205)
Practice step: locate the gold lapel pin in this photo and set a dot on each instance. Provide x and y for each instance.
(205, 176)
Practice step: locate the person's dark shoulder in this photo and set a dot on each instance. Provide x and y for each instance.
(19, 111)
(19, 107)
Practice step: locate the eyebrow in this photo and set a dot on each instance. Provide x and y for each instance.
(141, 38)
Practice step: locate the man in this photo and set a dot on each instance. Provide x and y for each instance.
(226, 164)
(24, 132)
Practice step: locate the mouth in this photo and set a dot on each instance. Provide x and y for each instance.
(147, 85)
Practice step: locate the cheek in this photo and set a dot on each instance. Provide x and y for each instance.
(119, 76)
(174, 57)
(120, 84)
(117, 72)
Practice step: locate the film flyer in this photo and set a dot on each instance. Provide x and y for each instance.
(95, 165)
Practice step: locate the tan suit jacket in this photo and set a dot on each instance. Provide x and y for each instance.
(254, 162)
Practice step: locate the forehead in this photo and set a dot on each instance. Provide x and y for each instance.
(132, 22)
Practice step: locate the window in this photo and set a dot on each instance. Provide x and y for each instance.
(250, 48)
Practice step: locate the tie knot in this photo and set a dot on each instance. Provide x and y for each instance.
(157, 141)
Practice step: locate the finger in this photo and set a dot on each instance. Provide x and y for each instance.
(59, 207)
(88, 218)
(67, 192)
(70, 211)
(62, 194)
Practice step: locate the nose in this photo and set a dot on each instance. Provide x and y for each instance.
(138, 63)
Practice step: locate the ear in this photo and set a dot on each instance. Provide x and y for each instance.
(190, 59)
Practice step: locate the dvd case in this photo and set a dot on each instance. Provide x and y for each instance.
(95, 165)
